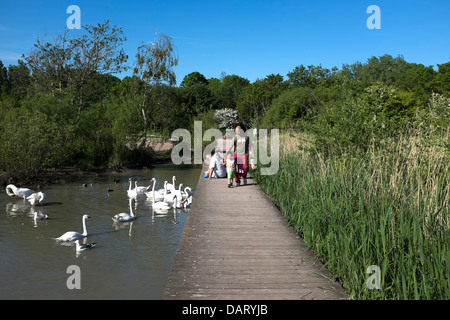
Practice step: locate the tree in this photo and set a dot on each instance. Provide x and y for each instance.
(255, 99)
(4, 81)
(192, 79)
(154, 66)
(385, 69)
(442, 80)
(196, 99)
(311, 76)
(418, 79)
(71, 62)
(290, 106)
(226, 118)
(19, 80)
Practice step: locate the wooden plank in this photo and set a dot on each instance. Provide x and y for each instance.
(237, 245)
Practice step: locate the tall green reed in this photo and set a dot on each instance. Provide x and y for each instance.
(389, 208)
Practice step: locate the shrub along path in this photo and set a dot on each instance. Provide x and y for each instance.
(236, 245)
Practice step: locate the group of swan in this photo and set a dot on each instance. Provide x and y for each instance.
(35, 198)
(169, 196)
(162, 200)
(180, 198)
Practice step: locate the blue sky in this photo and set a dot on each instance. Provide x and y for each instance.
(249, 38)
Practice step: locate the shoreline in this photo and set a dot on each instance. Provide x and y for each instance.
(64, 174)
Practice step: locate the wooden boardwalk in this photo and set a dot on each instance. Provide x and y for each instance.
(237, 246)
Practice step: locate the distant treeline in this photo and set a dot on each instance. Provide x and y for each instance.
(62, 105)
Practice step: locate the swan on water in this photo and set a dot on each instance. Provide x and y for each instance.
(178, 202)
(124, 217)
(157, 193)
(37, 198)
(82, 247)
(72, 235)
(160, 205)
(163, 190)
(171, 186)
(141, 190)
(185, 193)
(131, 192)
(12, 190)
(187, 202)
(178, 192)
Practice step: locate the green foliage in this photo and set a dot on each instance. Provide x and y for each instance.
(311, 76)
(256, 98)
(290, 106)
(442, 79)
(31, 142)
(358, 123)
(192, 79)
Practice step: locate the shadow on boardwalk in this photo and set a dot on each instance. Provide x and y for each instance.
(237, 246)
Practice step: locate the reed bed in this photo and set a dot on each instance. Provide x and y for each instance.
(388, 207)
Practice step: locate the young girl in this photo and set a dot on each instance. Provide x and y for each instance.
(230, 169)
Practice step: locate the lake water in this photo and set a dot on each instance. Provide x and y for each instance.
(130, 260)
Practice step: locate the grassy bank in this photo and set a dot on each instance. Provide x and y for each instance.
(388, 207)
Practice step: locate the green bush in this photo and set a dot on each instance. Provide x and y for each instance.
(363, 121)
(31, 142)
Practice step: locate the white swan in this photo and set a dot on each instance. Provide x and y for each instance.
(157, 193)
(163, 190)
(160, 205)
(132, 193)
(178, 202)
(171, 186)
(12, 190)
(187, 202)
(37, 198)
(178, 192)
(72, 235)
(124, 217)
(141, 190)
(82, 247)
(185, 193)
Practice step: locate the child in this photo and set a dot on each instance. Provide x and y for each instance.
(230, 169)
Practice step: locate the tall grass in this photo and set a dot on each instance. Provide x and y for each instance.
(389, 208)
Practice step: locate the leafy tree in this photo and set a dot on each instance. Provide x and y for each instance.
(226, 118)
(289, 107)
(418, 79)
(73, 61)
(226, 90)
(385, 69)
(4, 80)
(154, 66)
(442, 79)
(19, 80)
(311, 76)
(196, 99)
(35, 142)
(193, 78)
(256, 98)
